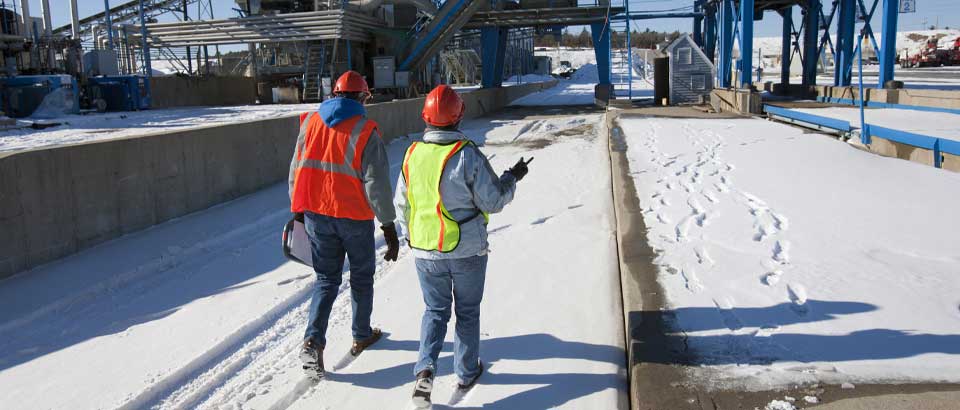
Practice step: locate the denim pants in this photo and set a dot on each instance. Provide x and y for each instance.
(331, 239)
(445, 282)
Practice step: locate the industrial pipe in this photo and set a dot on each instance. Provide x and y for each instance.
(369, 6)
(74, 20)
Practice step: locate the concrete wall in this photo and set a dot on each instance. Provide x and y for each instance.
(923, 98)
(175, 91)
(894, 149)
(741, 101)
(57, 201)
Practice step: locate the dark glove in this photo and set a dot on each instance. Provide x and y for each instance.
(393, 243)
(298, 216)
(519, 170)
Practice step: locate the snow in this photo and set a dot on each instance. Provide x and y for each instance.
(934, 124)
(789, 257)
(779, 405)
(577, 57)
(578, 90)
(75, 129)
(204, 312)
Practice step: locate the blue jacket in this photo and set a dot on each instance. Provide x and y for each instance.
(469, 185)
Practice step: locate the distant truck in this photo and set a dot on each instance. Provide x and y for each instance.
(931, 55)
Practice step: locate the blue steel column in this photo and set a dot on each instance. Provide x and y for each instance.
(746, 42)
(601, 48)
(710, 35)
(493, 43)
(145, 48)
(786, 47)
(843, 64)
(811, 36)
(888, 49)
(726, 44)
(697, 22)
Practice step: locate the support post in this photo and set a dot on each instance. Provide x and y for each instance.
(811, 37)
(493, 42)
(746, 42)
(726, 44)
(697, 22)
(888, 36)
(186, 17)
(145, 48)
(109, 22)
(74, 20)
(786, 46)
(601, 48)
(710, 35)
(843, 64)
(26, 20)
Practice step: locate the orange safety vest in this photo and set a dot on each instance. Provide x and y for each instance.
(328, 179)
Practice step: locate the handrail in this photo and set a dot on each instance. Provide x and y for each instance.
(815, 121)
(936, 144)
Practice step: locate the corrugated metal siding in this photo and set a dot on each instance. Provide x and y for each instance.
(680, 74)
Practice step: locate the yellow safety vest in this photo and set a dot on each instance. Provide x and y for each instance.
(429, 225)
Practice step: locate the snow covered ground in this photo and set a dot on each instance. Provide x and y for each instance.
(934, 124)
(204, 312)
(789, 257)
(94, 127)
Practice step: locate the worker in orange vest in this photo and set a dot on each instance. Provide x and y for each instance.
(339, 180)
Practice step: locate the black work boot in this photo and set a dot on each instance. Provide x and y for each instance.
(312, 357)
(422, 389)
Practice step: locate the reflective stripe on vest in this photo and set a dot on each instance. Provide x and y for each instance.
(346, 166)
(326, 172)
(429, 225)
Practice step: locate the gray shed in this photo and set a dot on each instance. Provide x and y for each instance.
(691, 72)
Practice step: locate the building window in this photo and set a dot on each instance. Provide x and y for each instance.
(698, 82)
(685, 55)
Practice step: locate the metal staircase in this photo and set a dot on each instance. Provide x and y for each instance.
(621, 56)
(315, 58)
(430, 40)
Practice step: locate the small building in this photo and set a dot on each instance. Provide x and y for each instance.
(691, 72)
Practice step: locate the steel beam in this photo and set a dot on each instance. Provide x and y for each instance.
(601, 48)
(888, 38)
(698, 23)
(726, 44)
(786, 46)
(493, 48)
(746, 42)
(811, 48)
(843, 63)
(710, 29)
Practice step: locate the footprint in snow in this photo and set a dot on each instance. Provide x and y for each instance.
(781, 251)
(663, 219)
(691, 280)
(798, 298)
(703, 257)
(727, 314)
(772, 278)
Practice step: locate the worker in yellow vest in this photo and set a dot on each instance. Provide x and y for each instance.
(444, 196)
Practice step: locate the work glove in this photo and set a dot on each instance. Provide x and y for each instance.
(393, 243)
(519, 170)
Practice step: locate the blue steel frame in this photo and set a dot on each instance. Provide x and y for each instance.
(937, 145)
(725, 20)
(816, 121)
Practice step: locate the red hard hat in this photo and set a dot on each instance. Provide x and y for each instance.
(443, 107)
(351, 82)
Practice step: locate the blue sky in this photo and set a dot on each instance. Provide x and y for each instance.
(948, 12)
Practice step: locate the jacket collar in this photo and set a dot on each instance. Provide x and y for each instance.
(337, 110)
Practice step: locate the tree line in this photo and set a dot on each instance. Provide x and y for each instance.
(638, 39)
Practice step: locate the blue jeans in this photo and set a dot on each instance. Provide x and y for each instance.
(443, 282)
(330, 239)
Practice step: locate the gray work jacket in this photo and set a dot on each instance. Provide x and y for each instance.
(469, 185)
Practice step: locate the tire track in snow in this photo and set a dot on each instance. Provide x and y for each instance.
(246, 363)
